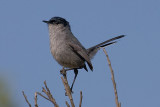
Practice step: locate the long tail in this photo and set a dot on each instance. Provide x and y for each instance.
(93, 50)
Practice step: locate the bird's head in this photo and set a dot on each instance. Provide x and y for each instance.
(57, 21)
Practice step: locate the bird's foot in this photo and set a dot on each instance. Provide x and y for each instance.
(63, 72)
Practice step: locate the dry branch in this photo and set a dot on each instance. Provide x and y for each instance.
(35, 100)
(67, 104)
(43, 96)
(118, 104)
(48, 93)
(49, 96)
(67, 88)
(26, 99)
(80, 103)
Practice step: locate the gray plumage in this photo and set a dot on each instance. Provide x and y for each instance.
(65, 47)
(67, 50)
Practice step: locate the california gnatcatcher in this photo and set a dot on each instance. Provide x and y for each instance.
(67, 50)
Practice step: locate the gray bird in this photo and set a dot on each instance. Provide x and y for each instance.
(67, 50)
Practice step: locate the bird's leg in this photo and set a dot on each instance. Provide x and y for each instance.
(76, 73)
(63, 71)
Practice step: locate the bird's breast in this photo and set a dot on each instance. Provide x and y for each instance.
(64, 54)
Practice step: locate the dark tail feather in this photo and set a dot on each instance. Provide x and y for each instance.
(115, 38)
(93, 50)
(108, 44)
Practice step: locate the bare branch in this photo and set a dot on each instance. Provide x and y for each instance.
(48, 96)
(80, 103)
(67, 104)
(48, 93)
(113, 80)
(26, 99)
(35, 100)
(43, 96)
(67, 88)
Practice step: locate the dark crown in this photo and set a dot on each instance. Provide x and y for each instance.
(58, 20)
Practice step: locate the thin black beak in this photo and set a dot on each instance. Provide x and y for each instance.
(45, 21)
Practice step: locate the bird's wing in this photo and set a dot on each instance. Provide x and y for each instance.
(81, 52)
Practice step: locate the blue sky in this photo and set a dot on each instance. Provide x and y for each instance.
(26, 61)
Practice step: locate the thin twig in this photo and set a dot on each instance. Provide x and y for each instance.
(35, 100)
(48, 93)
(43, 96)
(80, 103)
(26, 99)
(67, 88)
(67, 104)
(113, 80)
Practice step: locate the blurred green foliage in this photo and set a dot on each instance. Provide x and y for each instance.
(5, 95)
